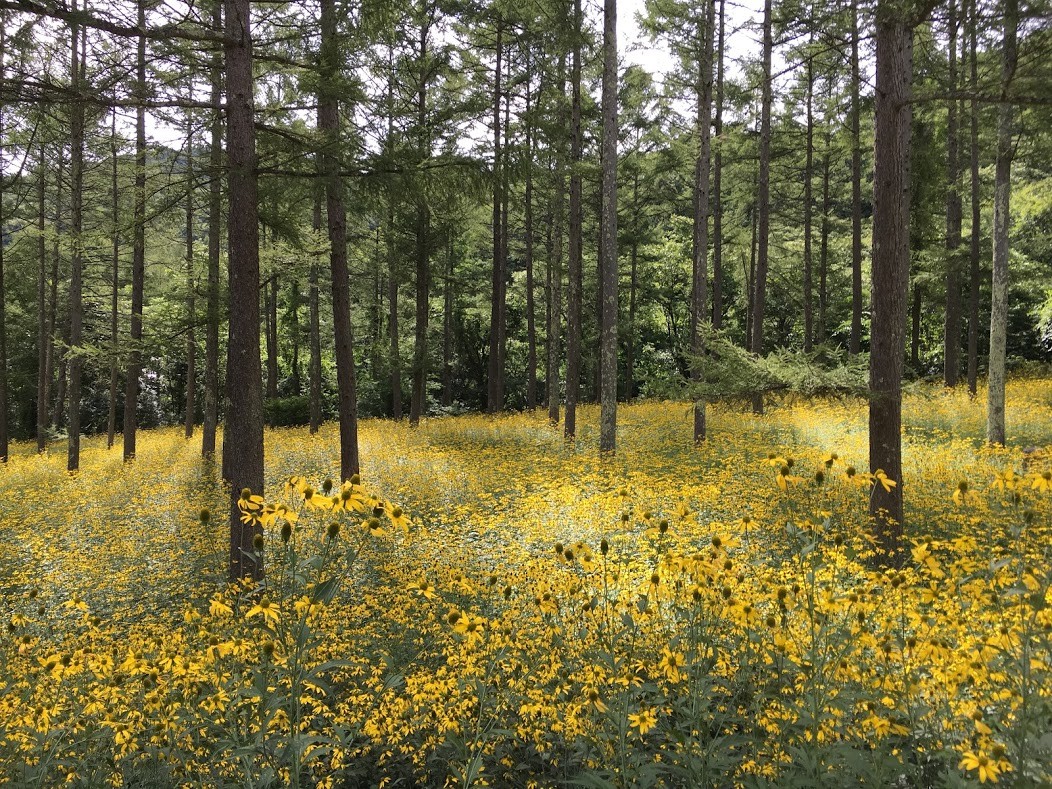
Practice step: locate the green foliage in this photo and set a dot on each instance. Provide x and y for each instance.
(287, 411)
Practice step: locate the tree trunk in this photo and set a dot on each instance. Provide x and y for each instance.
(633, 283)
(131, 383)
(973, 267)
(495, 399)
(575, 264)
(243, 437)
(764, 201)
(700, 238)
(918, 300)
(890, 280)
(336, 215)
(555, 257)
(447, 328)
(608, 238)
(3, 297)
(855, 342)
(823, 244)
(717, 178)
(952, 324)
(315, 328)
(418, 403)
(115, 284)
(76, 280)
(58, 412)
(215, 204)
(43, 338)
(191, 300)
(531, 321)
(995, 399)
(809, 156)
(270, 300)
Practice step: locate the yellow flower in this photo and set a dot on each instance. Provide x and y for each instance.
(594, 700)
(644, 720)
(671, 664)
(885, 481)
(1042, 481)
(423, 588)
(988, 769)
(218, 608)
(397, 517)
(266, 608)
(1006, 480)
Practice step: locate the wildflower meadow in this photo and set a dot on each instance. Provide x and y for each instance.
(490, 606)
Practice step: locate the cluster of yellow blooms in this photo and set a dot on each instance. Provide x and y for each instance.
(674, 615)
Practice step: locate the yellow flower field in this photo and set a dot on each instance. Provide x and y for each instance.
(492, 607)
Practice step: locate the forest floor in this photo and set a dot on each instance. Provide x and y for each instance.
(672, 614)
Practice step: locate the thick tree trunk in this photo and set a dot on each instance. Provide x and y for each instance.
(608, 237)
(574, 268)
(495, 394)
(890, 281)
(763, 201)
(336, 215)
(76, 280)
(134, 370)
(995, 399)
(215, 204)
(243, 436)
(855, 342)
(952, 323)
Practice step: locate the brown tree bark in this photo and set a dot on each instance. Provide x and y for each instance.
(700, 236)
(243, 436)
(43, 320)
(190, 413)
(531, 319)
(418, 401)
(952, 323)
(575, 274)
(763, 201)
(717, 180)
(890, 279)
(495, 393)
(855, 342)
(995, 399)
(3, 298)
(973, 252)
(210, 406)
(76, 280)
(554, 273)
(134, 369)
(115, 284)
(608, 236)
(809, 167)
(336, 216)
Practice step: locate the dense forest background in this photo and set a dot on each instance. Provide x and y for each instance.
(435, 193)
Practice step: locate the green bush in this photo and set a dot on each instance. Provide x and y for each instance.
(287, 411)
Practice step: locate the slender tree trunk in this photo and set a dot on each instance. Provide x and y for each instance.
(890, 280)
(243, 436)
(952, 324)
(336, 215)
(418, 402)
(823, 244)
(315, 327)
(215, 208)
(3, 297)
(918, 301)
(270, 300)
(995, 399)
(131, 383)
(763, 200)
(717, 178)
(633, 283)
(295, 299)
(191, 295)
(43, 338)
(809, 156)
(973, 268)
(58, 412)
(855, 342)
(76, 280)
(700, 239)
(575, 273)
(608, 238)
(555, 259)
(447, 327)
(494, 400)
(115, 284)
(531, 320)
